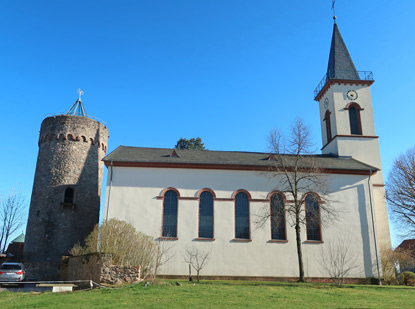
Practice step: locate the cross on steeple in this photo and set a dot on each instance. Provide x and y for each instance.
(77, 108)
(80, 93)
(333, 2)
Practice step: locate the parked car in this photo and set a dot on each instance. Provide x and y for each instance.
(12, 272)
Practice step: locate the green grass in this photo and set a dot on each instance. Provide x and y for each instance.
(214, 294)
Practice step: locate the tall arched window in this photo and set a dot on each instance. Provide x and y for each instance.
(328, 125)
(354, 118)
(68, 197)
(170, 214)
(277, 217)
(312, 216)
(242, 216)
(206, 215)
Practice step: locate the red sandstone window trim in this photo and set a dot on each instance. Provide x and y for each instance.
(284, 200)
(328, 125)
(249, 215)
(161, 197)
(199, 193)
(354, 106)
(319, 202)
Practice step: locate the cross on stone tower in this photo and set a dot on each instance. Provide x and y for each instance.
(80, 93)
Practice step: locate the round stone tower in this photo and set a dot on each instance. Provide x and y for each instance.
(66, 193)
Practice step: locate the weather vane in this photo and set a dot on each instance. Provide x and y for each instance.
(80, 92)
(333, 2)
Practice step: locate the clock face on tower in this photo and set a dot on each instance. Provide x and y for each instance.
(326, 103)
(352, 95)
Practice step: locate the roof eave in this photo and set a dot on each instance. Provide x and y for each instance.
(240, 167)
(330, 82)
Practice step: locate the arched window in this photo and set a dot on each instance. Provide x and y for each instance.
(328, 125)
(354, 118)
(312, 216)
(206, 215)
(277, 217)
(242, 216)
(68, 197)
(169, 214)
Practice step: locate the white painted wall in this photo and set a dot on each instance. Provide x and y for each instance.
(360, 148)
(363, 149)
(338, 100)
(133, 198)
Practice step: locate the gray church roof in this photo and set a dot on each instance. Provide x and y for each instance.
(340, 63)
(165, 157)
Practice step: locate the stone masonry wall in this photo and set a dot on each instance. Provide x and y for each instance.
(98, 268)
(70, 152)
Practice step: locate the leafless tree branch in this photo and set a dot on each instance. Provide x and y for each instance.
(400, 191)
(295, 173)
(197, 259)
(338, 259)
(12, 216)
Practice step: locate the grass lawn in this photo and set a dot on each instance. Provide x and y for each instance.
(213, 294)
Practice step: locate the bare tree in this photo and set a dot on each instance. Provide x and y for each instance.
(400, 191)
(163, 254)
(197, 259)
(338, 259)
(12, 216)
(296, 173)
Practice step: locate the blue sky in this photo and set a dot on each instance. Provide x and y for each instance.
(227, 71)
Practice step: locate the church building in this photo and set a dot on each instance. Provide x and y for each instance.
(209, 200)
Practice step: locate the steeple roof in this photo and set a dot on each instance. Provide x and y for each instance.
(340, 67)
(340, 63)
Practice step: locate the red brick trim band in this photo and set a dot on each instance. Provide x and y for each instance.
(241, 240)
(339, 82)
(204, 239)
(276, 279)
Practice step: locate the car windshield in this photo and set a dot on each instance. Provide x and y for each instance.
(11, 266)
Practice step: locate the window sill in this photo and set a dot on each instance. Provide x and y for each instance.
(168, 238)
(314, 242)
(278, 240)
(204, 239)
(241, 240)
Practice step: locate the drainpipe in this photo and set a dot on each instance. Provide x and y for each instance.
(373, 225)
(109, 193)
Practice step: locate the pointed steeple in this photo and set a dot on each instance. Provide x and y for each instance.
(340, 63)
(77, 108)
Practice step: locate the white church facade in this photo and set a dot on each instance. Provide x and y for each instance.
(211, 200)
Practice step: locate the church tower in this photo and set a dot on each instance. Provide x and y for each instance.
(347, 122)
(66, 193)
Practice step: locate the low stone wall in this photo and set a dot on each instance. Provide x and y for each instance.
(98, 268)
(115, 274)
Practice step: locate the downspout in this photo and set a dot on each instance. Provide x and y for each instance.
(373, 226)
(109, 194)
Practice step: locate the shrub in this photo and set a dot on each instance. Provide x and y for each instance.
(77, 250)
(408, 277)
(123, 242)
(411, 282)
(394, 260)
